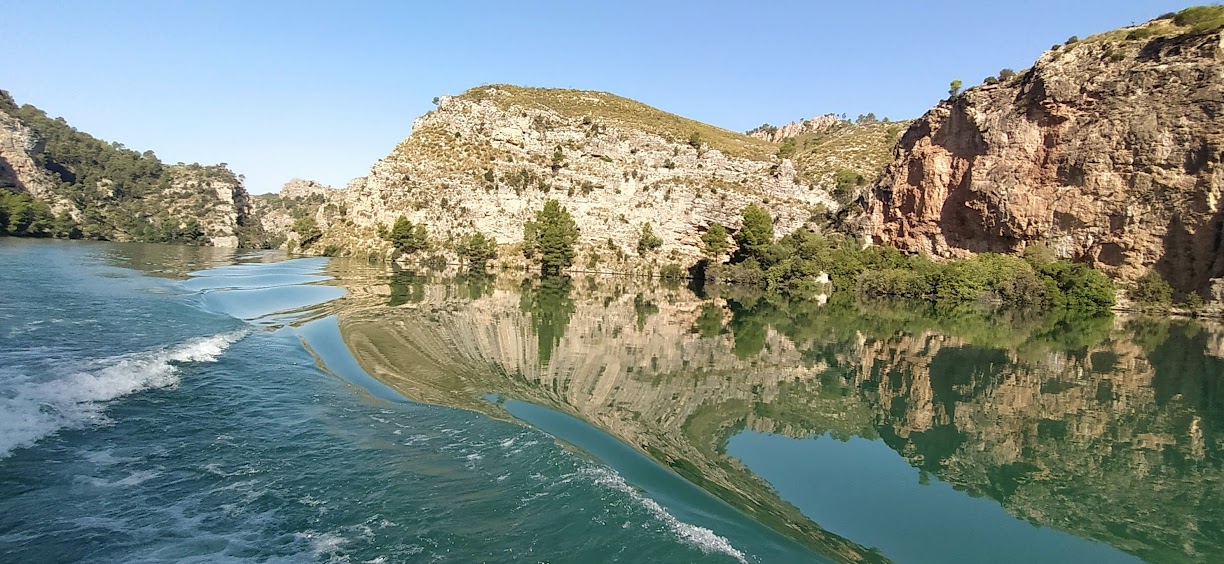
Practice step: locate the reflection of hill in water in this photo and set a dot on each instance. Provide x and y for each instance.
(1108, 431)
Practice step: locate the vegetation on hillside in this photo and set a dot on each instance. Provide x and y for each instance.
(793, 265)
(1194, 20)
(475, 250)
(118, 193)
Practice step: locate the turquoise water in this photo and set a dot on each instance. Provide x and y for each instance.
(149, 419)
(178, 404)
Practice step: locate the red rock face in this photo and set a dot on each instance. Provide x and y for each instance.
(1107, 151)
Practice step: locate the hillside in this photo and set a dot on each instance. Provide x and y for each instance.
(833, 153)
(58, 181)
(1107, 151)
(485, 160)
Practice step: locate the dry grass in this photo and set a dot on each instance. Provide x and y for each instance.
(1196, 19)
(862, 148)
(613, 110)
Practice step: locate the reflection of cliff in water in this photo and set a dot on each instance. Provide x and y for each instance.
(1119, 442)
(623, 355)
(1107, 430)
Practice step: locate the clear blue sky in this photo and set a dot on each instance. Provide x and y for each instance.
(323, 89)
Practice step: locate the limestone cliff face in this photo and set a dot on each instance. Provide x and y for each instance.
(215, 198)
(1107, 150)
(19, 145)
(818, 124)
(297, 198)
(488, 159)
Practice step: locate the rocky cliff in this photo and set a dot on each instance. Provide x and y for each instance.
(298, 198)
(105, 191)
(1108, 150)
(487, 159)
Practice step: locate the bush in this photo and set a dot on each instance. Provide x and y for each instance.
(714, 241)
(844, 183)
(694, 140)
(408, 238)
(476, 250)
(787, 149)
(755, 234)
(1007, 74)
(648, 241)
(1200, 18)
(1140, 33)
(308, 231)
(1151, 290)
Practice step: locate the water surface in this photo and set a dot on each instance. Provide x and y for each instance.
(163, 403)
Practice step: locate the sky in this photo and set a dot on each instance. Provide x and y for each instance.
(322, 90)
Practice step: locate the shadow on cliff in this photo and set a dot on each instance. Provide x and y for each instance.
(966, 218)
(1191, 258)
(8, 177)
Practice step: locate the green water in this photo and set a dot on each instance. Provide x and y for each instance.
(173, 404)
(859, 431)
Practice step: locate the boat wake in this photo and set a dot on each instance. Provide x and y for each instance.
(31, 410)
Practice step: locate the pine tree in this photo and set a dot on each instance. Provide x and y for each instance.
(550, 238)
(756, 234)
(715, 240)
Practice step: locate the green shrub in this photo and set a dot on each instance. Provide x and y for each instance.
(408, 238)
(1151, 289)
(308, 231)
(756, 232)
(476, 250)
(1140, 33)
(648, 241)
(549, 239)
(787, 149)
(714, 241)
(1201, 18)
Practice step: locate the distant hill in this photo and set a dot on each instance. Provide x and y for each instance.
(486, 159)
(58, 181)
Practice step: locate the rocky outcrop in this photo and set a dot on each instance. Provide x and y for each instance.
(297, 198)
(215, 198)
(818, 124)
(1107, 150)
(488, 159)
(301, 188)
(19, 172)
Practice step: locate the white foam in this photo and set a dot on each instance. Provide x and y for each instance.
(702, 538)
(33, 410)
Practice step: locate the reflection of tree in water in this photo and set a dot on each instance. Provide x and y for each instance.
(1183, 373)
(547, 301)
(406, 287)
(474, 285)
(642, 310)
